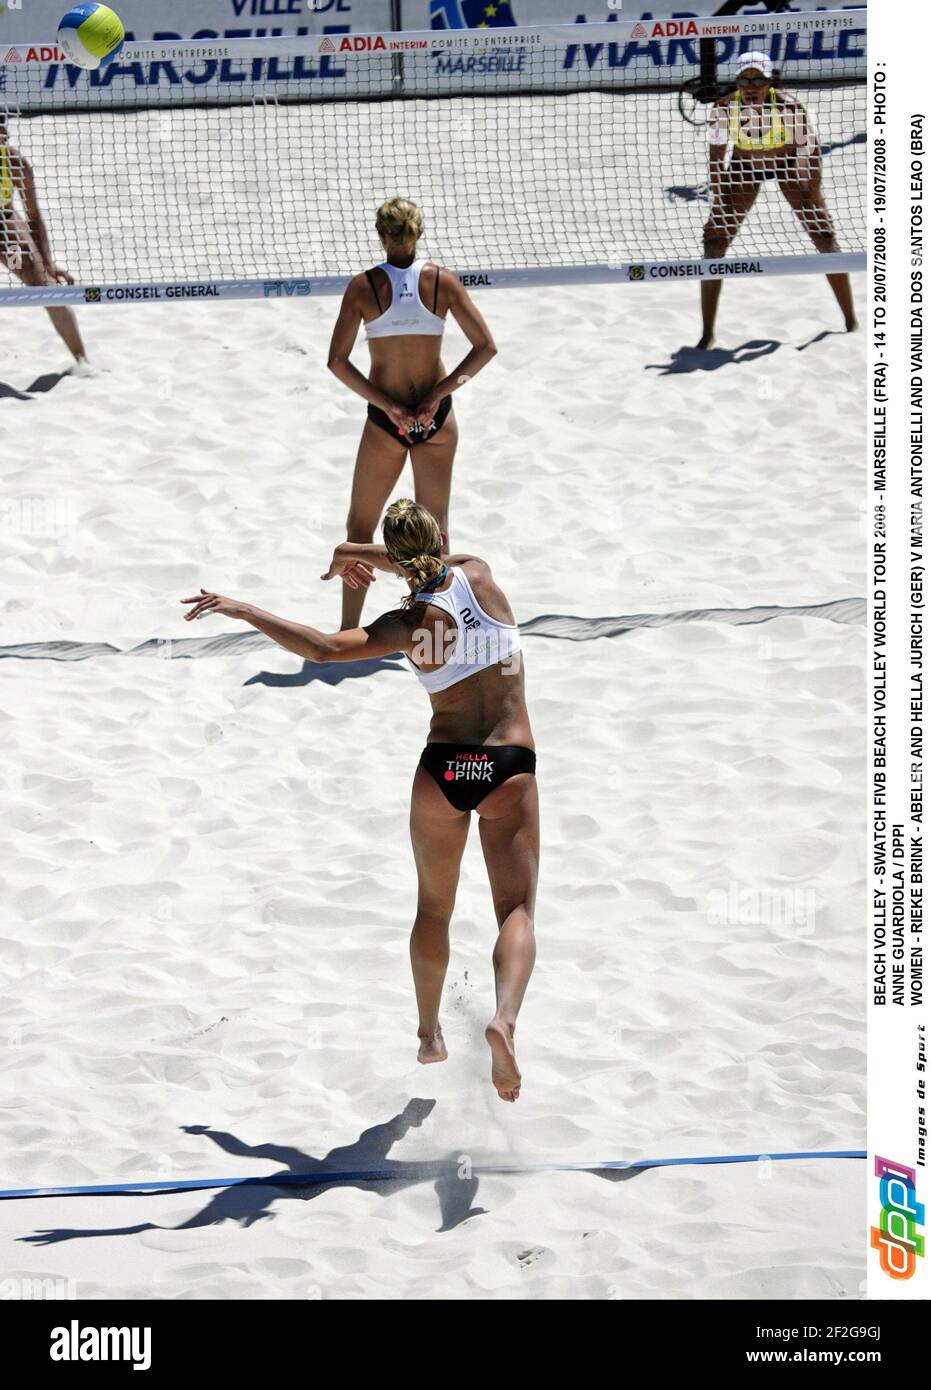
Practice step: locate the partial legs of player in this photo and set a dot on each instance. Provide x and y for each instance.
(378, 467)
(438, 835)
(432, 462)
(19, 253)
(807, 202)
(727, 214)
(509, 827)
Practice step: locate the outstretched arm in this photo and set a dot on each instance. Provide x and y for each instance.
(392, 632)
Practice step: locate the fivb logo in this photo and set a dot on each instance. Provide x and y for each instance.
(896, 1237)
(277, 288)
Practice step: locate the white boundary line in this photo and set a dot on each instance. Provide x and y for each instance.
(300, 287)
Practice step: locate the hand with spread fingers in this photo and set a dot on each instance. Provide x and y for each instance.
(207, 602)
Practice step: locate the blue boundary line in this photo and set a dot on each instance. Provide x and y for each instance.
(403, 1171)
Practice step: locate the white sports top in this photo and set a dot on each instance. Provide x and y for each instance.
(481, 641)
(407, 312)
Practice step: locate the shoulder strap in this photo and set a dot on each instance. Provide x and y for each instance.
(436, 288)
(371, 279)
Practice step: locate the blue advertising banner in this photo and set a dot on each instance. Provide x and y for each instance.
(320, 48)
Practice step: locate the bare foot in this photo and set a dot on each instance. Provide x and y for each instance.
(705, 342)
(505, 1076)
(851, 325)
(432, 1047)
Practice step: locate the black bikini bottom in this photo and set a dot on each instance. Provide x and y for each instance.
(467, 772)
(744, 170)
(418, 434)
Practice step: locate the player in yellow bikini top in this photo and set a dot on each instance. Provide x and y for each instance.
(774, 131)
(25, 249)
(771, 140)
(6, 178)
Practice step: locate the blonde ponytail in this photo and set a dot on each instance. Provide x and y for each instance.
(413, 541)
(401, 221)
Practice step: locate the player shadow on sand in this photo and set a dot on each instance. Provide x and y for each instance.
(820, 337)
(330, 672)
(689, 359)
(39, 386)
(368, 1154)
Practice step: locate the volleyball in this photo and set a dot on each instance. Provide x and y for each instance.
(91, 35)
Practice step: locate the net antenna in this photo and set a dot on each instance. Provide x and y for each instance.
(252, 168)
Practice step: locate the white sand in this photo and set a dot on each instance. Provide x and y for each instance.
(210, 886)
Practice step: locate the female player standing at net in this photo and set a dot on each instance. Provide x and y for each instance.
(24, 243)
(403, 304)
(771, 138)
(458, 631)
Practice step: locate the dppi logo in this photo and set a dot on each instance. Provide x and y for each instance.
(272, 288)
(896, 1237)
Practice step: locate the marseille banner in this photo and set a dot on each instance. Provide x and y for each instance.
(37, 20)
(469, 14)
(334, 64)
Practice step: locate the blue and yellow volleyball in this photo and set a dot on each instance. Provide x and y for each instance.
(91, 35)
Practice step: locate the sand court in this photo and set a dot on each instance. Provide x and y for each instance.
(207, 904)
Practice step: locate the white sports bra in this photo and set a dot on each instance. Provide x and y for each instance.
(481, 641)
(407, 312)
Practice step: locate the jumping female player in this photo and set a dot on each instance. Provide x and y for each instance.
(24, 243)
(403, 304)
(458, 632)
(771, 137)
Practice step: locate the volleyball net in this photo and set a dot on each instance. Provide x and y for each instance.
(567, 153)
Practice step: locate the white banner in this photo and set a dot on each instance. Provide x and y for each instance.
(187, 19)
(900, 219)
(625, 51)
(467, 14)
(622, 52)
